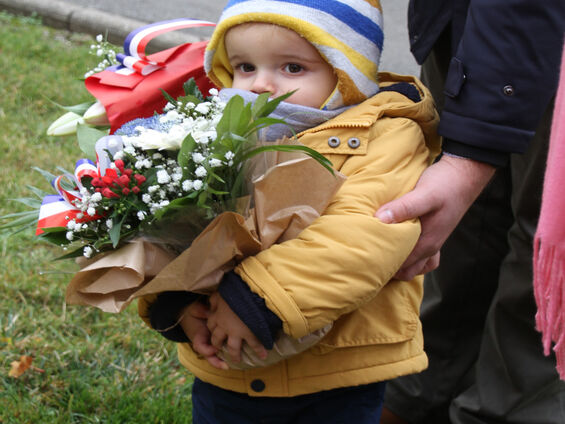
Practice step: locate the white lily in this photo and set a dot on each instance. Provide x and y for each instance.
(65, 125)
(96, 115)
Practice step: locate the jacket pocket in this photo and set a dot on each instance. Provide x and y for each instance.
(391, 317)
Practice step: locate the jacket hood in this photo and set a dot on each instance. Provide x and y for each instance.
(401, 96)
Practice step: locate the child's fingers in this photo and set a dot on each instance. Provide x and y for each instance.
(199, 310)
(217, 362)
(218, 337)
(256, 345)
(202, 346)
(233, 347)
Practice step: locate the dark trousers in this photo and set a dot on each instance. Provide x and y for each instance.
(350, 405)
(486, 358)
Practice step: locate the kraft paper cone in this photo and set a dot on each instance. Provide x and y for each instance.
(199, 268)
(108, 282)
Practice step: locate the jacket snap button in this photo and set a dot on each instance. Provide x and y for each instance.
(334, 142)
(354, 142)
(508, 90)
(258, 385)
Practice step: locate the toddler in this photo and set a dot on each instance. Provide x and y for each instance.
(378, 129)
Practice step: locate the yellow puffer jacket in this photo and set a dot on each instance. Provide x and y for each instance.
(339, 269)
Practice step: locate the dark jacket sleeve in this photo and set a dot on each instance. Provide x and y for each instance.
(164, 313)
(502, 78)
(250, 308)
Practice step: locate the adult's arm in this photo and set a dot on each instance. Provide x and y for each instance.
(500, 82)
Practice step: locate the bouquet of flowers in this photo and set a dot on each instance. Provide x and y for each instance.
(150, 202)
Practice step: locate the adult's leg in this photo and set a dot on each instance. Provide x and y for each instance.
(514, 381)
(458, 294)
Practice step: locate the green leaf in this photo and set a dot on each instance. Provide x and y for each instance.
(38, 192)
(77, 253)
(27, 220)
(87, 137)
(271, 105)
(46, 174)
(55, 235)
(115, 232)
(29, 201)
(259, 104)
(326, 163)
(191, 89)
(169, 98)
(78, 109)
(184, 156)
(261, 123)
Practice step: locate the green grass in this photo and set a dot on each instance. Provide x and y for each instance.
(97, 367)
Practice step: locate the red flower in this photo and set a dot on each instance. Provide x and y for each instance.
(139, 178)
(119, 164)
(123, 180)
(109, 193)
(135, 189)
(125, 191)
(96, 182)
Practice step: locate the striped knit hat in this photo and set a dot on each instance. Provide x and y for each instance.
(347, 33)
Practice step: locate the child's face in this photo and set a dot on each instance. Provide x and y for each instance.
(270, 58)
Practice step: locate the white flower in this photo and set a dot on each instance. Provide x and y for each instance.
(213, 92)
(91, 211)
(109, 224)
(87, 251)
(214, 163)
(200, 172)
(141, 215)
(69, 235)
(203, 108)
(187, 185)
(197, 184)
(163, 177)
(146, 198)
(198, 157)
(71, 224)
(99, 38)
(96, 197)
(229, 155)
(152, 189)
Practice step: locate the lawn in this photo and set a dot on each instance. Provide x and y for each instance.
(87, 366)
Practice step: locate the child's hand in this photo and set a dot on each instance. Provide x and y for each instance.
(193, 322)
(226, 328)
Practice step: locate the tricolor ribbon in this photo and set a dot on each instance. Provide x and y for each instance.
(58, 209)
(134, 58)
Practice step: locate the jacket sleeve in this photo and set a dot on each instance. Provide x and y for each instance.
(502, 77)
(346, 256)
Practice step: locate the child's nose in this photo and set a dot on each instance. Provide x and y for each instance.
(263, 83)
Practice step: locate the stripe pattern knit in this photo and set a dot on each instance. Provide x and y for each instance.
(347, 33)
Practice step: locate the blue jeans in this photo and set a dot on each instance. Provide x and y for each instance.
(349, 405)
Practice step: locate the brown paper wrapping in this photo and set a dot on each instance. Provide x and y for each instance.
(287, 198)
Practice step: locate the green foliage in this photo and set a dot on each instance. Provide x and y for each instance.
(97, 367)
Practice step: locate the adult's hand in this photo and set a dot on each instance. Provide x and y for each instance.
(443, 194)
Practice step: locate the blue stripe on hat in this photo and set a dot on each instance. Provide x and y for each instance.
(355, 20)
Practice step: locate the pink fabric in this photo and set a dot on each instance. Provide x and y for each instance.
(549, 242)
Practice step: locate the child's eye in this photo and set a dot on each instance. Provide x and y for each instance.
(245, 67)
(293, 68)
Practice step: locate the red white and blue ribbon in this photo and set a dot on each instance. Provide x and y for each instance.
(134, 58)
(58, 209)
